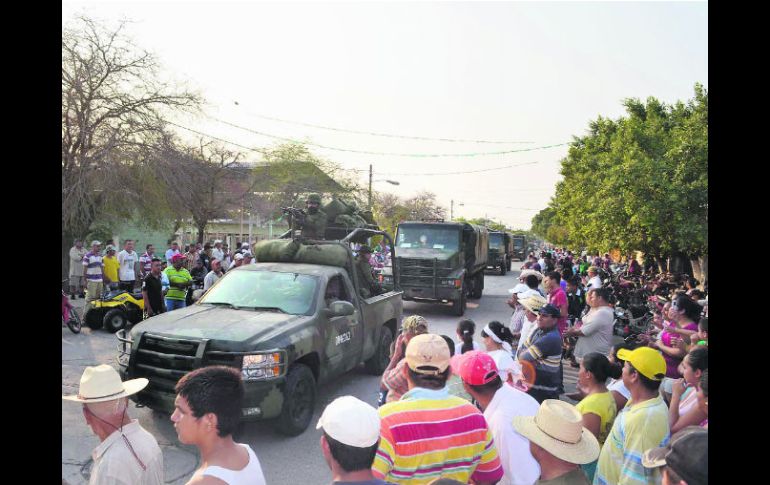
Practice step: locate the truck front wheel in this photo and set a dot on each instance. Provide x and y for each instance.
(458, 306)
(379, 361)
(503, 268)
(299, 396)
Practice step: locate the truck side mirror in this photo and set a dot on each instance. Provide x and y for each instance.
(340, 308)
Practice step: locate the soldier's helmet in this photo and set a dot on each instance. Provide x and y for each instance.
(314, 199)
(365, 249)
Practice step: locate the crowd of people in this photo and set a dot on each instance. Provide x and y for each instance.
(452, 410)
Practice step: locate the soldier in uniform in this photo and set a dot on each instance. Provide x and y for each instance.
(369, 287)
(314, 225)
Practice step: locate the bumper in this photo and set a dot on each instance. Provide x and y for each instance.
(440, 293)
(262, 400)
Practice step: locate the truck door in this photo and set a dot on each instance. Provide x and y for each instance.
(344, 335)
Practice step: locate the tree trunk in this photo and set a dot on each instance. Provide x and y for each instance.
(201, 229)
(704, 266)
(697, 272)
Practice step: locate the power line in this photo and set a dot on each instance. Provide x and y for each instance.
(386, 135)
(501, 207)
(392, 154)
(261, 151)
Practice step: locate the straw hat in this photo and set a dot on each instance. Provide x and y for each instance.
(558, 429)
(533, 303)
(102, 383)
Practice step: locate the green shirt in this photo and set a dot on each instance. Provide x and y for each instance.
(177, 276)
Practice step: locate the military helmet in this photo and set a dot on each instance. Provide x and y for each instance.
(365, 249)
(314, 198)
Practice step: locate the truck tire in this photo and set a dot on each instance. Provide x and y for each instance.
(379, 361)
(458, 306)
(503, 268)
(299, 397)
(115, 320)
(478, 286)
(509, 265)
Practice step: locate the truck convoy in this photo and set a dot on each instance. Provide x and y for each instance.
(290, 322)
(500, 251)
(440, 262)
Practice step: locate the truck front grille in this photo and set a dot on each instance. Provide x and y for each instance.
(164, 360)
(421, 272)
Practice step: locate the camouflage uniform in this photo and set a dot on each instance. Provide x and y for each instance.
(365, 277)
(314, 226)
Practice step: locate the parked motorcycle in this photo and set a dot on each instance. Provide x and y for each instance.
(69, 315)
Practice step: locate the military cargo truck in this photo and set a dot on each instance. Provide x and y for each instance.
(500, 251)
(519, 246)
(440, 262)
(289, 323)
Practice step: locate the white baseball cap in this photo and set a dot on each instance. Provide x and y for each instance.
(351, 421)
(237, 256)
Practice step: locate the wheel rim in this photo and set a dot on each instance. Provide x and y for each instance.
(301, 403)
(116, 321)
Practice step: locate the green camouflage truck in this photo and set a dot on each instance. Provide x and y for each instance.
(500, 251)
(520, 249)
(288, 324)
(439, 262)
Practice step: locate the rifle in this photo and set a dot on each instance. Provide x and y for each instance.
(297, 215)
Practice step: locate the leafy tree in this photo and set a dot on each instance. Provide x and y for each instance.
(636, 183)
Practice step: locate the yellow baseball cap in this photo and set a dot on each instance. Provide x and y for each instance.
(649, 362)
(427, 354)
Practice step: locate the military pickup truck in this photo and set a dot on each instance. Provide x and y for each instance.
(289, 324)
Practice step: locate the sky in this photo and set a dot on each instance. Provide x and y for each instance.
(531, 74)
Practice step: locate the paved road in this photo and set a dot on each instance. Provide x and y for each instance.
(284, 460)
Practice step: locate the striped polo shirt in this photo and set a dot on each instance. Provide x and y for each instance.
(430, 434)
(543, 349)
(93, 263)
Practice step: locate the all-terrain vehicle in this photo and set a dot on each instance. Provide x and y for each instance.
(114, 310)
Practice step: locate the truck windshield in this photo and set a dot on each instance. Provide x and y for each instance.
(518, 243)
(431, 237)
(496, 240)
(269, 290)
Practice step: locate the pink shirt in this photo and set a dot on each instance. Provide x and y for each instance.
(558, 298)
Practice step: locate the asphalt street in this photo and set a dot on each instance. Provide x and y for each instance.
(285, 460)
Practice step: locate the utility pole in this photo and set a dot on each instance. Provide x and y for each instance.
(370, 186)
(452, 210)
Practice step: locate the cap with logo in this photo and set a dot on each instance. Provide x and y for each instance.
(475, 368)
(427, 354)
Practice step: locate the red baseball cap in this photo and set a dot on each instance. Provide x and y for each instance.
(177, 257)
(475, 368)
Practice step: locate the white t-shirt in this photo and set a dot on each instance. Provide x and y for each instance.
(594, 283)
(597, 328)
(519, 466)
(127, 262)
(209, 280)
(504, 362)
(617, 385)
(526, 329)
(218, 253)
(459, 346)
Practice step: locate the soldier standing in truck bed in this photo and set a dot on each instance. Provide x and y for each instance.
(314, 225)
(369, 287)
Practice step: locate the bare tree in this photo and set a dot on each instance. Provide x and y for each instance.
(423, 206)
(204, 181)
(113, 103)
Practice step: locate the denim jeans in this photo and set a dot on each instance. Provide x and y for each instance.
(174, 304)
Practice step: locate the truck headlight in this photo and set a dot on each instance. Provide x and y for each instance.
(263, 366)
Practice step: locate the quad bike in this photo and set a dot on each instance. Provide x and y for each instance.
(114, 310)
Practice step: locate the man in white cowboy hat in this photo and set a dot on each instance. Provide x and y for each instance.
(128, 454)
(559, 442)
